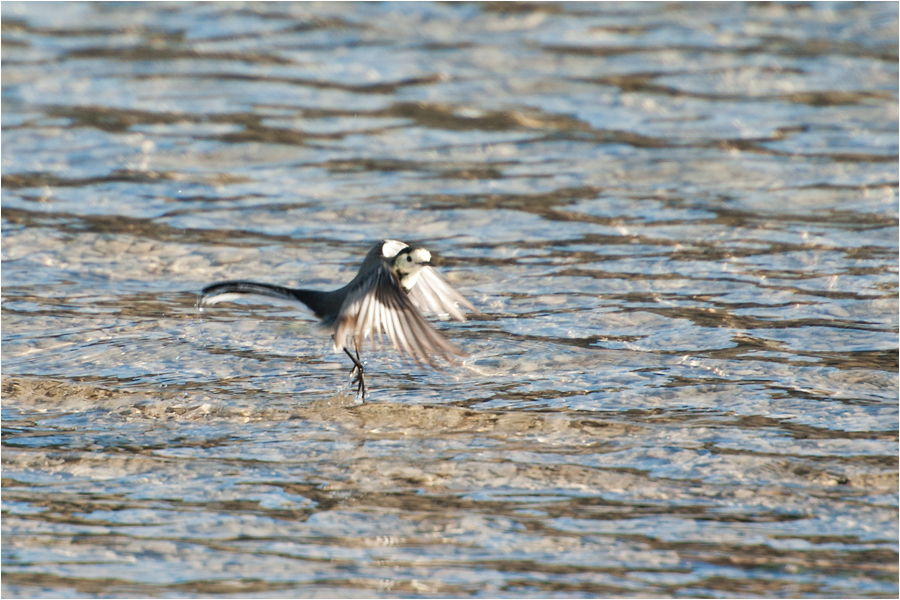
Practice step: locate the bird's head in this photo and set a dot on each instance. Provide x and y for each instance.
(408, 263)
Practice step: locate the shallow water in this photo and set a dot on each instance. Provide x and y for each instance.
(680, 223)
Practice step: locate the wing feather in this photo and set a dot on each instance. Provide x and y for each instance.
(377, 304)
(432, 293)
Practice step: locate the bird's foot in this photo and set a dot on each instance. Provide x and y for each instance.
(360, 378)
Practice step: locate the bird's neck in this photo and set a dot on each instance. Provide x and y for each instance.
(408, 280)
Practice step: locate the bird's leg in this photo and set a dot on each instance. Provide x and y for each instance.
(360, 378)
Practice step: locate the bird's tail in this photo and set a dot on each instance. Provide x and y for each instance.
(227, 290)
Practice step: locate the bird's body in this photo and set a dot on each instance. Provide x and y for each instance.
(394, 283)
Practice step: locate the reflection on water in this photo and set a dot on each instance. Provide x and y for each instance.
(679, 221)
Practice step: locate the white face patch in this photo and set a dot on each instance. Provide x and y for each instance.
(409, 265)
(412, 261)
(390, 248)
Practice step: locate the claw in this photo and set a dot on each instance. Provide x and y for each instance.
(360, 378)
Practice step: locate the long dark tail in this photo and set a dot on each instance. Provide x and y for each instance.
(318, 302)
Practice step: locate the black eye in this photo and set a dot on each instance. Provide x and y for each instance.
(408, 258)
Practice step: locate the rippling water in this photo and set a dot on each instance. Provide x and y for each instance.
(680, 222)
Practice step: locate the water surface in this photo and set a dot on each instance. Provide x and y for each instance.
(680, 222)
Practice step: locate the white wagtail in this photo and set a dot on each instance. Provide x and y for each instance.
(394, 283)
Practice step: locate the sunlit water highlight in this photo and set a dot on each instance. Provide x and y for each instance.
(680, 222)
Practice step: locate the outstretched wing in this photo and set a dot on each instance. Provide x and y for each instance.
(432, 293)
(376, 305)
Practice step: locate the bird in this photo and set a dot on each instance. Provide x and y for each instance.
(394, 286)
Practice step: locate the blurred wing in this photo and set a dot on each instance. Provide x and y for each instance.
(379, 305)
(432, 293)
